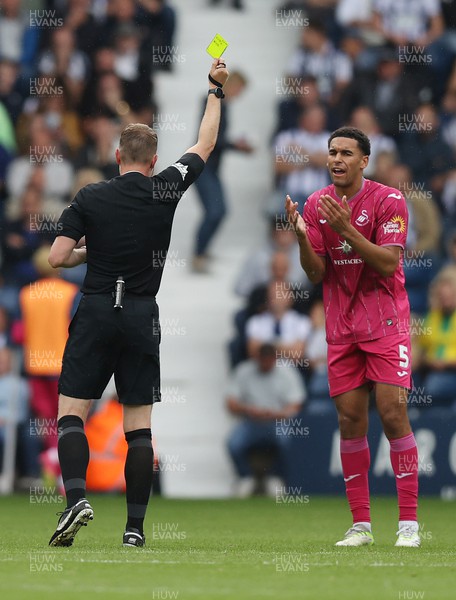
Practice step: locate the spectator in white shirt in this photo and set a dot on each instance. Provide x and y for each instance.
(301, 156)
(404, 22)
(318, 57)
(267, 397)
(42, 165)
(364, 118)
(281, 326)
(64, 60)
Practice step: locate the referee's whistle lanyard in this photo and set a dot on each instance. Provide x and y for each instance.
(119, 292)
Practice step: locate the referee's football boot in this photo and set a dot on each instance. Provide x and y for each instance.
(70, 522)
(134, 538)
(357, 535)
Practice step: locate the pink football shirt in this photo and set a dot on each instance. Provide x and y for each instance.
(360, 304)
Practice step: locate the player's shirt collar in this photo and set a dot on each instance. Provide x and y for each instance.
(360, 191)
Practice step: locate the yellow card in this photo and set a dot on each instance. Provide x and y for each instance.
(217, 47)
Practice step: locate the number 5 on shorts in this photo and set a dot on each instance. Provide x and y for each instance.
(404, 362)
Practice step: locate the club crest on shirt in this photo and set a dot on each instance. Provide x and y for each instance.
(395, 225)
(183, 169)
(362, 219)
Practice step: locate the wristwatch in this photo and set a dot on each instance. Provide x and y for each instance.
(218, 92)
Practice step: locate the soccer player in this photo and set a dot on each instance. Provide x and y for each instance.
(351, 237)
(127, 225)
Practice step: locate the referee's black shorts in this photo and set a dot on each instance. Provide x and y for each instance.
(104, 341)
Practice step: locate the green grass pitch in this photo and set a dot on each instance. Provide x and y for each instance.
(226, 549)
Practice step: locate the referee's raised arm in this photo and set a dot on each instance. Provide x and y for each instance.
(207, 135)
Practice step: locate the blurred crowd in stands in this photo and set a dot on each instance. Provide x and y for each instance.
(74, 72)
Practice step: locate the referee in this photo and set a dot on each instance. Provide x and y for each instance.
(126, 223)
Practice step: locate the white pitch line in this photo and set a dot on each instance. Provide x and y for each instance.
(98, 589)
(266, 563)
(148, 562)
(113, 561)
(429, 566)
(376, 565)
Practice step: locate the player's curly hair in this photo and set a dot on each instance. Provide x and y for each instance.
(354, 134)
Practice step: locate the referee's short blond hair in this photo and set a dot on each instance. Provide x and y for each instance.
(138, 144)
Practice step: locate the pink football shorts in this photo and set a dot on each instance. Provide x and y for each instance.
(384, 360)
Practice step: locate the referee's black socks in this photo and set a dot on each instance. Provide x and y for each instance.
(139, 467)
(73, 456)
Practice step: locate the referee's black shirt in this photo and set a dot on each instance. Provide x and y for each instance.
(127, 223)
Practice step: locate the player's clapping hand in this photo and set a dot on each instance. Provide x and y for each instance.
(294, 218)
(218, 71)
(337, 215)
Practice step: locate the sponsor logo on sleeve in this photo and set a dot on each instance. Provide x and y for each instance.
(394, 225)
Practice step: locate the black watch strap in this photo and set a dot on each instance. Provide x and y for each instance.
(215, 82)
(218, 93)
